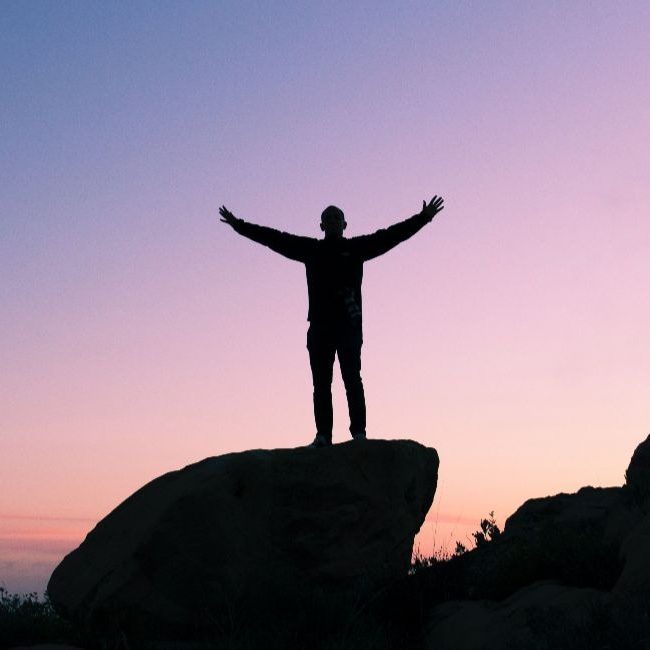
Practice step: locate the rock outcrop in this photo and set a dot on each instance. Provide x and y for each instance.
(569, 571)
(637, 476)
(259, 527)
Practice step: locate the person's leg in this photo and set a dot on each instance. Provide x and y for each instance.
(322, 349)
(349, 350)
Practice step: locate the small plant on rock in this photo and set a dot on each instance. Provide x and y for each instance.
(488, 531)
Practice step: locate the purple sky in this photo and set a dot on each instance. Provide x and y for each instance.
(139, 334)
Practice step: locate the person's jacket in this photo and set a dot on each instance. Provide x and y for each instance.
(334, 265)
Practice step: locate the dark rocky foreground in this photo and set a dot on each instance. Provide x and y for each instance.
(231, 541)
(333, 531)
(570, 571)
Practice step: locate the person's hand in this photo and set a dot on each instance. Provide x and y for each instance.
(434, 206)
(227, 216)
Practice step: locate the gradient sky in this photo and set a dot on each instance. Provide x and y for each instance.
(139, 334)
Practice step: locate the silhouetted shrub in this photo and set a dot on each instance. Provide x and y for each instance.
(488, 531)
(29, 619)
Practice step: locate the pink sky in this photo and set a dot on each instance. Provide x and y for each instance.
(139, 334)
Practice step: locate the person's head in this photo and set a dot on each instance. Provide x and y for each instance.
(332, 221)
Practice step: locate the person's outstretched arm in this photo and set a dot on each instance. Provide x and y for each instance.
(380, 242)
(292, 246)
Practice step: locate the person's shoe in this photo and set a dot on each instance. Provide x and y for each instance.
(359, 436)
(321, 441)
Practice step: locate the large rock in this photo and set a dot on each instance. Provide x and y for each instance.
(252, 527)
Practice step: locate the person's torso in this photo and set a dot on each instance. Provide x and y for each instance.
(334, 277)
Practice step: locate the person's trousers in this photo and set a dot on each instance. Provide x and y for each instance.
(323, 343)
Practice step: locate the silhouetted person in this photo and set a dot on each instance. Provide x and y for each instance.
(334, 268)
